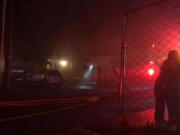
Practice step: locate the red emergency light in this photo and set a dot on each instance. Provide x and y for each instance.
(151, 71)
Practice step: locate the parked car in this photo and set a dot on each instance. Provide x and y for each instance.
(53, 78)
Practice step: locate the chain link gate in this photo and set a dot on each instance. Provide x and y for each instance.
(152, 31)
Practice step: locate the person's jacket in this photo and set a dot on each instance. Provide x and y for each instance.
(169, 76)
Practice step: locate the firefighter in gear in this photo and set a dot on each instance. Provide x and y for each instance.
(166, 90)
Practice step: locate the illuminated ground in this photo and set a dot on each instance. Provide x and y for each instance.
(102, 112)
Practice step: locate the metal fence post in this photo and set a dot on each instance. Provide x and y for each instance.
(122, 71)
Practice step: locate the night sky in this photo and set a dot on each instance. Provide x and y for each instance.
(70, 28)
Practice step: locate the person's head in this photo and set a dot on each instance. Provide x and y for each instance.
(173, 55)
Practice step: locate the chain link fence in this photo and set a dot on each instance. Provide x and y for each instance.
(153, 30)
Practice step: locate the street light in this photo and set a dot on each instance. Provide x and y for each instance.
(63, 63)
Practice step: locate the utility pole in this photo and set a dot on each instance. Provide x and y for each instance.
(2, 40)
(8, 46)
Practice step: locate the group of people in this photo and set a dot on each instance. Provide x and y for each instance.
(167, 91)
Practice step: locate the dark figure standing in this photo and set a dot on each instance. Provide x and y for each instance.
(99, 72)
(167, 89)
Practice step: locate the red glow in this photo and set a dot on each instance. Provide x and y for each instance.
(151, 71)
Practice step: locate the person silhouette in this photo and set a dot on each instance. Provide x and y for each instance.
(166, 90)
